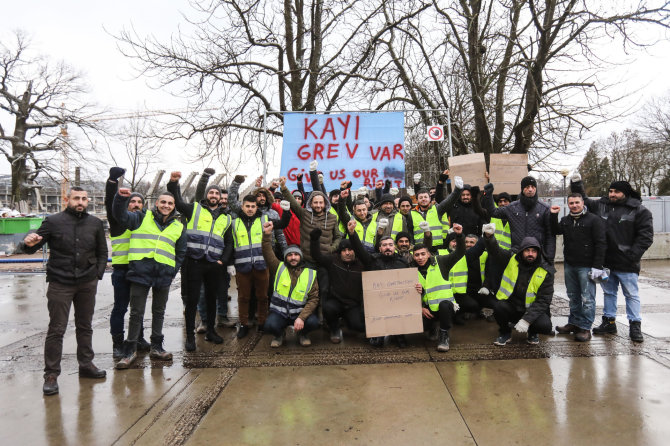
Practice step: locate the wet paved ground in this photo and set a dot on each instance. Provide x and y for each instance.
(608, 391)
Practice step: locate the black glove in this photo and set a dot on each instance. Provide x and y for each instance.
(488, 188)
(474, 191)
(116, 172)
(299, 177)
(387, 183)
(315, 234)
(209, 171)
(239, 179)
(443, 177)
(349, 184)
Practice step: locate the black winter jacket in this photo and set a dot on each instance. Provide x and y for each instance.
(77, 247)
(518, 298)
(584, 241)
(534, 223)
(469, 215)
(376, 261)
(629, 228)
(148, 272)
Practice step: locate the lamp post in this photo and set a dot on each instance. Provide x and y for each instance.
(565, 173)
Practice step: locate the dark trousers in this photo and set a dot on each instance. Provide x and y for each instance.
(221, 297)
(322, 280)
(201, 272)
(121, 302)
(444, 314)
(60, 298)
(260, 281)
(275, 324)
(505, 315)
(138, 302)
(354, 317)
(467, 303)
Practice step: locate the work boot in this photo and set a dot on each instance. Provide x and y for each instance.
(91, 371)
(443, 341)
(567, 329)
(243, 331)
(305, 341)
(433, 332)
(142, 345)
(636, 331)
(50, 386)
(582, 335)
(129, 356)
(336, 335)
(608, 326)
(202, 328)
(224, 321)
(213, 336)
(377, 341)
(117, 346)
(189, 345)
(157, 351)
(277, 341)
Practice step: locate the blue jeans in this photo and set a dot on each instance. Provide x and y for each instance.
(221, 298)
(275, 324)
(121, 301)
(582, 294)
(628, 283)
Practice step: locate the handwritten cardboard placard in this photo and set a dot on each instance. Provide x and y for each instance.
(359, 147)
(507, 170)
(471, 168)
(392, 305)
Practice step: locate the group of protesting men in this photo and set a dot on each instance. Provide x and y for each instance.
(298, 259)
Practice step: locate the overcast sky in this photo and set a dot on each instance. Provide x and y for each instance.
(78, 33)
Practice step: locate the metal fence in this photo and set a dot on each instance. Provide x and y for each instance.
(659, 207)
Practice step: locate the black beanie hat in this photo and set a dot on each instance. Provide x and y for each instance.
(528, 181)
(345, 243)
(402, 234)
(504, 195)
(386, 198)
(405, 198)
(622, 186)
(136, 194)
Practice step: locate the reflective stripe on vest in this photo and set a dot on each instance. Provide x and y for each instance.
(436, 288)
(435, 226)
(205, 235)
(503, 234)
(120, 246)
(248, 253)
(290, 302)
(482, 264)
(509, 281)
(458, 276)
(367, 235)
(149, 242)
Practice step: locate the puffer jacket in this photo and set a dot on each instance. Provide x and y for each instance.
(149, 272)
(309, 220)
(629, 228)
(535, 223)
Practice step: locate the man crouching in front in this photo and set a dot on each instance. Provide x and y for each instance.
(295, 293)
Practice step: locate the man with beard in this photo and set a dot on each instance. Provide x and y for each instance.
(395, 221)
(77, 260)
(463, 207)
(527, 217)
(526, 290)
(629, 229)
(365, 227)
(386, 258)
(493, 271)
(120, 238)
(208, 250)
(157, 249)
(345, 296)
(295, 293)
(435, 215)
(435, 286)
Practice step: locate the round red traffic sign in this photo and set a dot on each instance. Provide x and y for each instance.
(435, 133)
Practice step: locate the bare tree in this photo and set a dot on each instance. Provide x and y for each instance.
(42, 99)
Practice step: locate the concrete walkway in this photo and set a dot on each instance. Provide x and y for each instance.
(609, 391)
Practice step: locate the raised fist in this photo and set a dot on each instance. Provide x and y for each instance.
(351, 226)
(209, 171)
(267, 227)
(362, 190)
(299, 178)
(424, 226)
(313, 165)
(394, 191)
(116, 172)
(383, 223)
(285, 205)
(282, 181)
(417, 178)
(379, 185)
(175, 176)
(344, 194)
(575, 178)
(259, 181)
(239, 179)
(315, 234)
(124, 192)
(489, 229)
(321, 178)
(458, 229)
(555, 209)
(458, 182)
(410, 191)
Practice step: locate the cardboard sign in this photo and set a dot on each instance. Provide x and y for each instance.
(392, 305)
(359, 147)
(507, 170)
(470, 167)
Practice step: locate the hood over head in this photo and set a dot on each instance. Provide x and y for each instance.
(269, 198)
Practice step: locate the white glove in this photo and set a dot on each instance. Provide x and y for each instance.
(487, 312)
(458, 182)
(484, 292)
(522, 326)
(410, 191)
(383, 223)
(489, 229)
(285, 205)
(231, 270)
(456, 306)
(313, 165)
(424, 226)
(575, 178)
(394, 191)
(362, 190)
(321, 178)
(417, 178)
